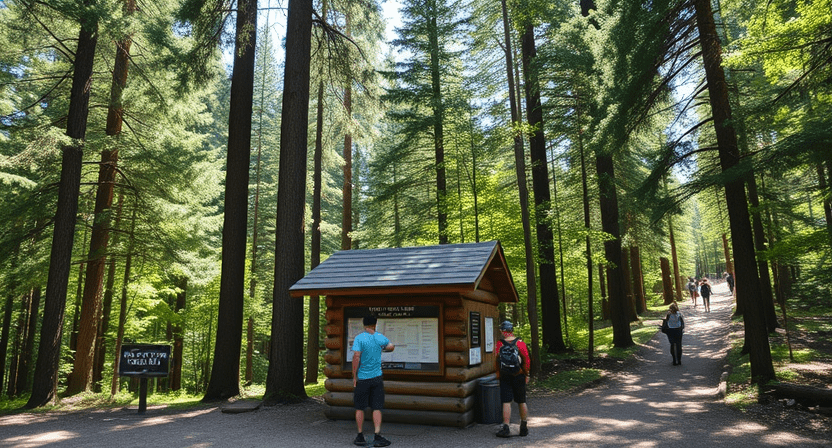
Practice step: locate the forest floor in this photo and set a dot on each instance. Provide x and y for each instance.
(644, 402)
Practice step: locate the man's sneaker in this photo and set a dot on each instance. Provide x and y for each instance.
(359, 440)
(379, 440)
(524, 430)
(504, 432)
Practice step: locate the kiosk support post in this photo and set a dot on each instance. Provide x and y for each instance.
(143, 395)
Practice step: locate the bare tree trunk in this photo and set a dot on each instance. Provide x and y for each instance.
(438, 129)
(638, 280)
(520, 166)
(612, 250)
(122, 312)
(667, 290)
(285, 379)
(747, 281)
(178, 335)
(313, 328)
(225, 372)
(45, 382)
(677, 278)
(550, 309)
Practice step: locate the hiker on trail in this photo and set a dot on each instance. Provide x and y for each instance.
(673, 325)
(705, 290)
(730, 280)
(513, 365)
(692, 290)
(367, 379)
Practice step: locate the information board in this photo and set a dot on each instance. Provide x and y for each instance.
(413, 330)
(144, 360)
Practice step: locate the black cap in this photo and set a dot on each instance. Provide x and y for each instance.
(370, 320)
(506, 326)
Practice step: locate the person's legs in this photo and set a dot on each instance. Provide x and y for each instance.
(377, 421)
(506, 413)
(524, 418)
(679, 351)
(359, 420)
(673, 352)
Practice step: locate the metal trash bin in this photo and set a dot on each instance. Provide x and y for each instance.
(489, 409)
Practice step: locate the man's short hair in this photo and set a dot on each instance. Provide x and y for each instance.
(370, 320)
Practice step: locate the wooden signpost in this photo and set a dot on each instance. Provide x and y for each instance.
(144, 361)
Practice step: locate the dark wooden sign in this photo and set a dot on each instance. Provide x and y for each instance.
(144, 360)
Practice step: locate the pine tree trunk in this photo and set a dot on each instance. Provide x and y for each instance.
(285, 378)
(667, 290)
(45, 382)
(676, 277)
(122, 312)
(178, 336)
(4, 334)
(313, 328)
(638, 280)
(762, 264)
(520, 167)
(612, 251)
(23, 383)
(746, 279)
(438, 129)
(550, 308)
(225, 372)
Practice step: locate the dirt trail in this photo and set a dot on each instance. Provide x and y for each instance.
(649, 404)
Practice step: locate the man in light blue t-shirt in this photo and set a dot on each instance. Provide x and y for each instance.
(367, 379)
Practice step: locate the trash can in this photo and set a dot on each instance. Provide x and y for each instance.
(489, 408)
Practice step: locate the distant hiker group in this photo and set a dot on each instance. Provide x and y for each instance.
(701, 288)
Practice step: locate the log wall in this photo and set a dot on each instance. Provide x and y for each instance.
(447, 398)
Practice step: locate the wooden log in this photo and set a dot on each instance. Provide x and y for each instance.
(334, 316)
(454, 419)
(462, 374)
(482, 296)
(333, 342)
(409, 402)
(333, 356)
(456, 329)
(334, 330)
(335, 371)
(433, 389)
(808, 395)
(456, 344)
(454, 313)
(456, 359)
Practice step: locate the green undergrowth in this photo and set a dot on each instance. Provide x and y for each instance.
(170, 400)
(810, 333)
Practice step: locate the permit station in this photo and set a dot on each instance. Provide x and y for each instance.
(437, 304)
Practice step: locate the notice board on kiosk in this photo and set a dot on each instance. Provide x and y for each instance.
(413, 330)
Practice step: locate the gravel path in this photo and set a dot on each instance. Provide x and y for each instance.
(648, 404)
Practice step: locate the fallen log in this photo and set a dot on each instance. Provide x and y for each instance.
(807, 395)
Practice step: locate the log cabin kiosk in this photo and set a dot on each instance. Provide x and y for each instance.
(437, 304)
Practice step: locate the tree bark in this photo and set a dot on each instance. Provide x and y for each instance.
(667, 290)
(23, 383)
(4, 334)
(313, 328)
(520, 167)
(178, 335)
(676, 277)
(285, 378)
(612, 251)
(122, 313)
(438, 128)
(225, 371)
(550, 309)
(638, 280)
(45, 382)
(762, 264)
(823, 186)
(746, 279)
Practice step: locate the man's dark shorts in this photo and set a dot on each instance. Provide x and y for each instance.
(369, 392)
(512, 388)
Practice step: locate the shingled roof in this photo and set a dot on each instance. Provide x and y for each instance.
(442, 268)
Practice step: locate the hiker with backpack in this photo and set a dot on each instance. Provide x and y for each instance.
(692, 290)
(705, 290)
(513, 365)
